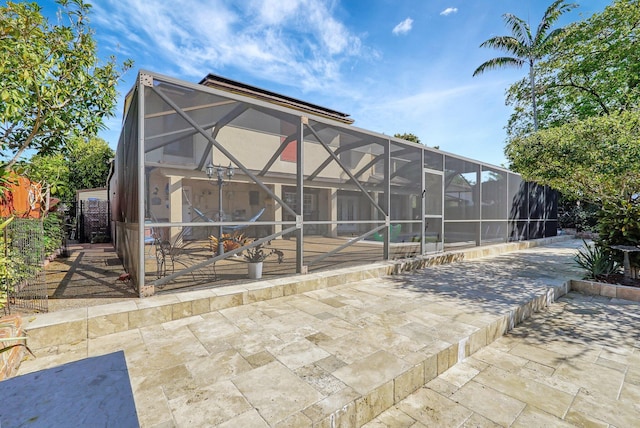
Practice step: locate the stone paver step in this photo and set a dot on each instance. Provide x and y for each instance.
(576, 364)
(339, 350)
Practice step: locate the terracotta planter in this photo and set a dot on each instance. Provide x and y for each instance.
(10, 327)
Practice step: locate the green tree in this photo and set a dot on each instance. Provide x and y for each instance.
(594, 160)
(408, 136)
(50, 171)
(526, 47)
(88, 162)
(593, 70)
(589, 142)
(83, 164)
(53, 85)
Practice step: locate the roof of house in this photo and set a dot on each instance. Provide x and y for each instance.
(225, 84)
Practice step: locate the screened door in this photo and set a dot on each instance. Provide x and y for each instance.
(433, 207)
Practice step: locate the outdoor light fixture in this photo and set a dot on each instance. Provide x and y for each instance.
(210, 170)
(220, 172)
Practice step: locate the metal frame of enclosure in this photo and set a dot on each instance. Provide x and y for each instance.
(305, 179)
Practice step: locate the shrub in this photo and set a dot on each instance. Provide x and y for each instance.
(582, 216)
(619, 224)
(597, 261)
(53, 232)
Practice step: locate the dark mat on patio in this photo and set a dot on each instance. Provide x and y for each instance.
(88, 393)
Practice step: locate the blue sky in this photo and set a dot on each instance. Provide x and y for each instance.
(393, 65)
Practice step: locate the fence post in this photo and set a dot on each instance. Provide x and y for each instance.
(81, 236)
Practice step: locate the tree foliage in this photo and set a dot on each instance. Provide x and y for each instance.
(52, 171)
(595, 159)
(83, 164)
(588, 146)
(53, 85)
(408, 136)
(89, 163)
(526, 47)
(590, 109)
(594, 69)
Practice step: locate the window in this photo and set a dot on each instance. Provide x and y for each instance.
(182, 148)
(291, 199)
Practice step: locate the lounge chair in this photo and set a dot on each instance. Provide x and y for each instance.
(229, 229)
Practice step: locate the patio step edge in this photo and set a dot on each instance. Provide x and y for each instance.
(363, 409)
(49, 330)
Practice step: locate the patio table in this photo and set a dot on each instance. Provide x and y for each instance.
(626, 249)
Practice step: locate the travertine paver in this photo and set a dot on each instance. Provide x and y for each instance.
(576, 364)
(344, 354)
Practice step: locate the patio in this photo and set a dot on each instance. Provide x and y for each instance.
(576, 364)
(344, 352)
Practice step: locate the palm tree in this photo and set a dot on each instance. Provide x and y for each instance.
(526, 47)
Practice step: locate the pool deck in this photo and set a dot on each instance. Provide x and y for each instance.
(357, 346)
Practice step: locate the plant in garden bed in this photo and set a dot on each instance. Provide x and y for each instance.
(53, 232)
(7, 268)
(597, 260)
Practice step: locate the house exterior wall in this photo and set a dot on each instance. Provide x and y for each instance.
(100, 194)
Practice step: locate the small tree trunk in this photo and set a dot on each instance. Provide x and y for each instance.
(532, 80)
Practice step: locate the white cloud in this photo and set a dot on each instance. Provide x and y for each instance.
(404, 27)
(297, 42)
(449, 11)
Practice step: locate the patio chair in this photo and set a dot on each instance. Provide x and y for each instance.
(168, 254)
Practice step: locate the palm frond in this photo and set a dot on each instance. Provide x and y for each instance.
(507, 44)
(498, 63)
(596, 260)
(551, 15)
(519, 28)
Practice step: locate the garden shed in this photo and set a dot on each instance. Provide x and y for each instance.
(225, 162)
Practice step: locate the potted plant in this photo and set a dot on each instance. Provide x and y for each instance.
(255, 256)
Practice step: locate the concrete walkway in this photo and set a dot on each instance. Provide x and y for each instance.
(87, 277)
(342, 355)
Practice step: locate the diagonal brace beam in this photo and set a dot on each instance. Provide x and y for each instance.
(278, 152)
(224, 151)
(339, 150)
(345, 169)
(237, 111)
(347, 244)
